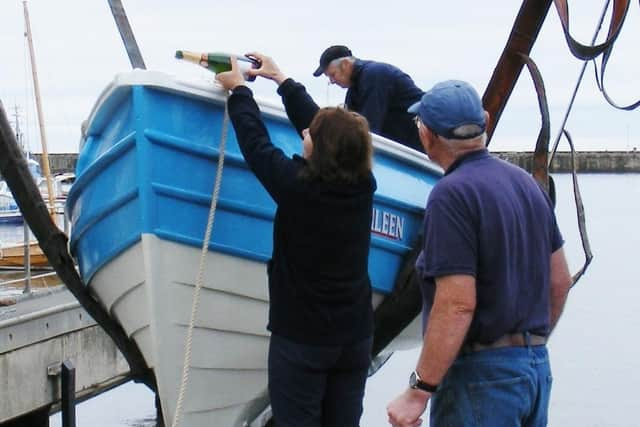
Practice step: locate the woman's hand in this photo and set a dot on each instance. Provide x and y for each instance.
(231, 79)
(268, 68)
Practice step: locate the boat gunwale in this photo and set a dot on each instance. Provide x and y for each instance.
(214, 94)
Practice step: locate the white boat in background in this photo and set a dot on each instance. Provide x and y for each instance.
(64, 182)
(139, 209)
(9, 211)
(61, 184)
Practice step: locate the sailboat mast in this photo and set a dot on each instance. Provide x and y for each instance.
(36, 89)
(16, 116)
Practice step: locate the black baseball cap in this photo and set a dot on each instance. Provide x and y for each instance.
(331, 53)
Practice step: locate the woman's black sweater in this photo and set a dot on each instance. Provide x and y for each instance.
(319, 286)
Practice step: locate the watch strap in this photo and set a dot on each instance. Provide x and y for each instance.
(416, 382)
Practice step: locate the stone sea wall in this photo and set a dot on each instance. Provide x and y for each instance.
(586, 161)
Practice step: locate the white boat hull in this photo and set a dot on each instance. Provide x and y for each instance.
(150, 288)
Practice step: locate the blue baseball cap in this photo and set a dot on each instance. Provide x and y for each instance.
(449, 105)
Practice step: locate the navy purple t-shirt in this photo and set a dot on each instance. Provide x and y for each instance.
(490, 219)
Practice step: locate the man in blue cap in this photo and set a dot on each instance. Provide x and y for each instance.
(380, 92)
(493, 275)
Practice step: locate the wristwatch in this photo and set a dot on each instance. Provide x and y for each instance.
(416, 382)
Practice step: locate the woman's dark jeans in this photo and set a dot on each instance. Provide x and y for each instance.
(317, 386)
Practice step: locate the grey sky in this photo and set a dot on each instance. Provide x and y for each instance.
(78, 51)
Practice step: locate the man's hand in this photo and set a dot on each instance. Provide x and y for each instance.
(268, 68)
(406, 409)
(231, 79)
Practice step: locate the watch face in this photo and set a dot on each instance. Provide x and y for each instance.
(413, 380)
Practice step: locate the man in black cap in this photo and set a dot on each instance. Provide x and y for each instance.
(380, 92)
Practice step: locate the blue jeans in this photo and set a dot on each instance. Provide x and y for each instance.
(317, 386)
(506, 387)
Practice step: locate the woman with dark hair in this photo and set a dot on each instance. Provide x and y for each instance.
(320, 313)
(342, 147)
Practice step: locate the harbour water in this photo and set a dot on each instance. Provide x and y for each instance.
(595, 352)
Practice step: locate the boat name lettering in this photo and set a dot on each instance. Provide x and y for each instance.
(387, 224)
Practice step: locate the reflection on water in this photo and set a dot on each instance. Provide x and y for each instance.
(594, 352)
(147, 422)
(130, 405)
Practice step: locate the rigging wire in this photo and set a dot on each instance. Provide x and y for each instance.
(577, 86)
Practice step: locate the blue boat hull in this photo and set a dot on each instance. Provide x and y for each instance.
(148, 162)
(139, 209)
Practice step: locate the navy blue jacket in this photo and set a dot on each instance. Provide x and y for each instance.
(319, 286)
(383, 93)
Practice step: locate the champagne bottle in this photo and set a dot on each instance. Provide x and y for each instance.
(218, 62)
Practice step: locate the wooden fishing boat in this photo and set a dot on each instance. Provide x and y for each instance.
(13, 255)
(139, 209)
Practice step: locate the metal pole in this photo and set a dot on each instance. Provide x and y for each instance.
(27, 259)
(67, 225)
(126, 33)
(68, 386)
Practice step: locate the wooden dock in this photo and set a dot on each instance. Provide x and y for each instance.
(38, 334)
